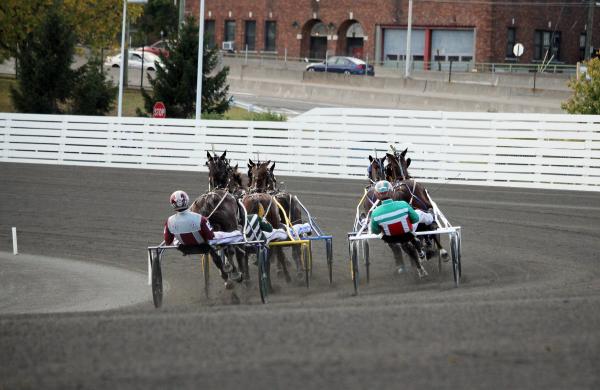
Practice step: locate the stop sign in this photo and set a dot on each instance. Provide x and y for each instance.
(159, 110)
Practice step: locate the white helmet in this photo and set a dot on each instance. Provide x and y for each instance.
(383, 189)
(179, 200)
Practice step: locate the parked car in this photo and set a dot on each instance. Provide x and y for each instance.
(135, 60)
(157, 48)
(345, 65)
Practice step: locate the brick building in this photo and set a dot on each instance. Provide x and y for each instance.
(442, 30)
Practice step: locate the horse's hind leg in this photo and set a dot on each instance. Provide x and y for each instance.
(296, 252)
(281, 263)
(438, 244)
(242, 259)
(398, 257)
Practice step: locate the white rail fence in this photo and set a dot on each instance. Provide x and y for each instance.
(522, 150)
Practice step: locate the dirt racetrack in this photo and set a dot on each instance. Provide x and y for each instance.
(526, 316)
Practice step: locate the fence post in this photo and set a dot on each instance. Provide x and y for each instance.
(246, 56)
(5, 132)
(285, 56)
(62, 141)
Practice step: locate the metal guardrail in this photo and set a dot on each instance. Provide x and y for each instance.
(442, 66)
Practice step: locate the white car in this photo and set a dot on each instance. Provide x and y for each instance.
(135, 60)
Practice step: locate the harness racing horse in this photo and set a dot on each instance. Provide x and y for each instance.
(262, 180)
(222, 175)
(413, 193)
(375, 173)
(222, 211)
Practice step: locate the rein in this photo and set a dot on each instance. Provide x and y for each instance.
(218, 204)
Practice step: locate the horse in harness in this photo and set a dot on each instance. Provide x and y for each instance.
(412, 192)
(220, 205)
(263, 184)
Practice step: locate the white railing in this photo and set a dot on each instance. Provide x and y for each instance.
(522, 150)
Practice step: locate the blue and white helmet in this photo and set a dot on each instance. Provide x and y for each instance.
(383, 189)
(179, 200)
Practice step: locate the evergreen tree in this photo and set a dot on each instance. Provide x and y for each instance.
(93, 94)
(45, 79)
(175, 81)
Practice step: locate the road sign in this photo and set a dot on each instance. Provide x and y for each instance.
(518, 49)
(159, 110)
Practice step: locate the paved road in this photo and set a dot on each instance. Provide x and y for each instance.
(526, 316)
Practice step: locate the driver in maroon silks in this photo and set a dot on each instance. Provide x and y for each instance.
(188, 229)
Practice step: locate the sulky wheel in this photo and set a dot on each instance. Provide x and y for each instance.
(305, 254)
(263, 274)
(367, 260)
(157, 286)
(205, 259)
(455, 259)
(354, 266)
(329, 250)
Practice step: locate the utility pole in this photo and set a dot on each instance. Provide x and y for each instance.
(200, 58)
(181, 13)
(589, 28)
(408, 39)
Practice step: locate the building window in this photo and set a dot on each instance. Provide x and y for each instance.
(582, 38)
(511, 40)
(250, 35)
(546, 45)
(209, 33)
(229, 31)
(270, 34)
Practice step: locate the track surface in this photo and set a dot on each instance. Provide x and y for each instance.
(526, 316)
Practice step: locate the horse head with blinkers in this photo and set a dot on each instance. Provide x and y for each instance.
(376, 170)
(261, 177)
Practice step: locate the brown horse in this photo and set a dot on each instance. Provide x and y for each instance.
(222, 175)
(222, 210)
(259, 203)
(412, 192)
(262, 180)
(375, 173)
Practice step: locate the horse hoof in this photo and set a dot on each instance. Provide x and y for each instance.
(421, 272)
(444, 254)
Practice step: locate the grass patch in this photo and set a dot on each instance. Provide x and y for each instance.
(132, 99)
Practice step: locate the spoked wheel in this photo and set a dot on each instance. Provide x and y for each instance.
(157, 286)
(205, 259)
(454, 248)
(367, 260)
(329, 249)
(354, 266)
(305, 255)
(263, 274)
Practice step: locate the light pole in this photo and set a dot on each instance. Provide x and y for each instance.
(408, 39)
(589, 29)
(123, 62)
(200, 56)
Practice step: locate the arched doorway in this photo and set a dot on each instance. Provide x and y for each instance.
(314, 39)
(351, 39)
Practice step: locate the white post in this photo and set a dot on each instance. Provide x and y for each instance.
(285, 56)
(14, 237)
(246, 56)
(367, 65)
(121, 69)
(200, 55)
(408, 39)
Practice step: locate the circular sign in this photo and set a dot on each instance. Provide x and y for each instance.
(518, 49)
(159, 110)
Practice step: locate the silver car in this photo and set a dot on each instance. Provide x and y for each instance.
(135, 60)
